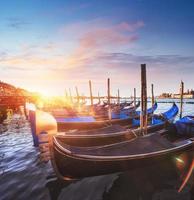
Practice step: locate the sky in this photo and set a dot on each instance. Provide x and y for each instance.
(52, 45)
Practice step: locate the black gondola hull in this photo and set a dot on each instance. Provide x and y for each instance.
(104, 139)
(69, 167)
(61, 126)
(113, 134)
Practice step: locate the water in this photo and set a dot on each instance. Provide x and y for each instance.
(22, 176)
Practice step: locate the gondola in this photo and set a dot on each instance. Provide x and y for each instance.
(79, 123)
(83, 111)
(62, 112)
(115, 133)
(126, 112)
(121, 105)
(186, 126)
(89, 122)
(118, 111)
(160, 146)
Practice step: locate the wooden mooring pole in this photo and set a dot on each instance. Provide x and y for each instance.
(181, 98)
(70, 95)
(109, 101)
(118, 100)
(77, 93)
(91, 96)
(67, 100)
(82, 98)
(98, 97)
(134, 97)
(143, 117)
(152, 90)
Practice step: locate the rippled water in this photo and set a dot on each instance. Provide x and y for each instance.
(22, 176)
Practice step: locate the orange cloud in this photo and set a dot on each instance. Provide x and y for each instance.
(32, 62)
(95, 39)
(99, 39)
(119, 34)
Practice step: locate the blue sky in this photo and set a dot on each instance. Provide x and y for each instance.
(48, 46)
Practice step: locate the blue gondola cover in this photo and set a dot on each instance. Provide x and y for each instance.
(185, 126)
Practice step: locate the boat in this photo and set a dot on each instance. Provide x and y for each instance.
(164, 145)
(121, 105)
(81, 111)
(118, 111)
(89, 122)
(79, 123)
(185, 126)
(127, 111)
(62, 112)
(115, 133)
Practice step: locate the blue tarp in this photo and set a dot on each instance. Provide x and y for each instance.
(185, 126)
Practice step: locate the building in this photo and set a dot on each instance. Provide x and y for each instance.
(185, 95)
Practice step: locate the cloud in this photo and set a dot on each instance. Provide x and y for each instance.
(88, 60)
(33, 57)
(38, 48)
(16, 23)
(151, 59)
(130, 27)
(97, 39)
(31, 62)
(123, 67)
(94, 38)
(105, 37)
(3, 54)
(110, 36)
